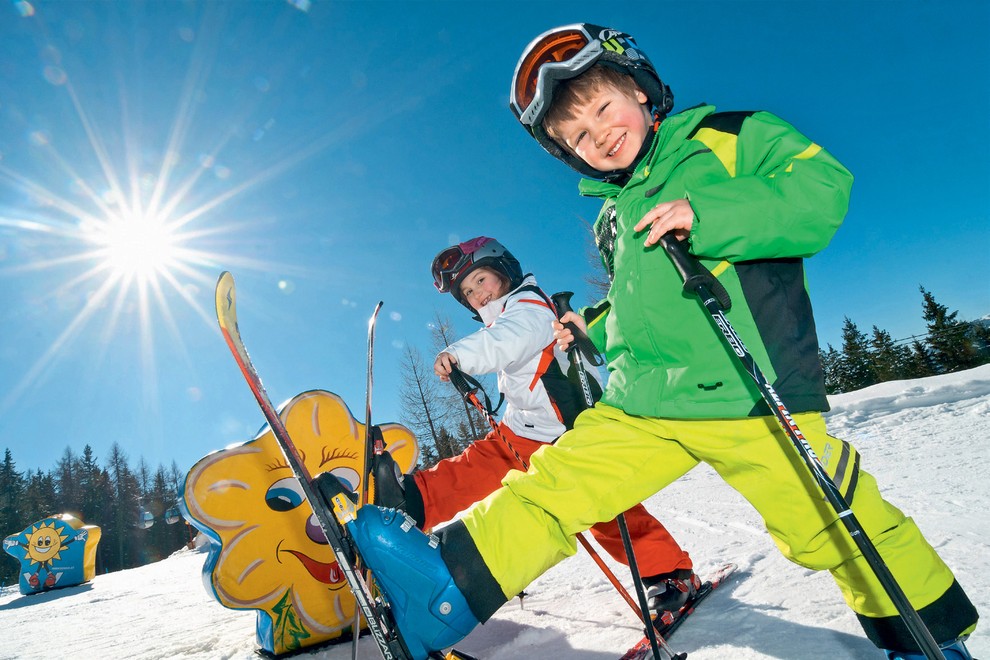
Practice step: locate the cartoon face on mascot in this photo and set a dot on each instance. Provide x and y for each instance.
(267, 550)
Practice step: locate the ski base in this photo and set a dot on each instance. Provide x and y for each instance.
(665, 629)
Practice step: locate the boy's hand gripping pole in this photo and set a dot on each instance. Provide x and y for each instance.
(698, 280)
(562, 301)
(469, 390)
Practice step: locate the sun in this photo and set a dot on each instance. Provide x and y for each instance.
(137, 246)
(45, 544)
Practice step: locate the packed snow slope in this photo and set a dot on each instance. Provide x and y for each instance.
(925, 440)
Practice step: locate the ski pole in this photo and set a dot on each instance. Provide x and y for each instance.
(562, 301)
(460, 382)
(715, 300)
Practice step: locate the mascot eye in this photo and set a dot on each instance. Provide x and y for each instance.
(348, 476)
(284, 495)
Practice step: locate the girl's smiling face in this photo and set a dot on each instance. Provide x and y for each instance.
(481, 286)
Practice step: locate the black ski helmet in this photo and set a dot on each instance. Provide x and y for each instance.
(457, 261)
(566, 52)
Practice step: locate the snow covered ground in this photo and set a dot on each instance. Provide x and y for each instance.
(925, 440)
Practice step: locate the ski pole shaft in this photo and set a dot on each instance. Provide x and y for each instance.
(586, 544)
(562, 301)
(698, 280)
(657, 642)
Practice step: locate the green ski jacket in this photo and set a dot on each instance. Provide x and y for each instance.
(764, 197)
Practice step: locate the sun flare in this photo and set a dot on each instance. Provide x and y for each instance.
(139, 247)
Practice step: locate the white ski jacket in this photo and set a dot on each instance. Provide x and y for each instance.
(517, 342)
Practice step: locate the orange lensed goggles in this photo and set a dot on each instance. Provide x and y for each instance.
(559, 54)
(448, 266)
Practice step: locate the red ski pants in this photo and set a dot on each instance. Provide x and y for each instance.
(454, 484)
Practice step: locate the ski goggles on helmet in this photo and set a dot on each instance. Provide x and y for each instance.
(450, 264)
(560, 54)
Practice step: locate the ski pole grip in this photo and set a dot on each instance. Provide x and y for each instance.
(692, 272)
(459, 382)
(562, 301)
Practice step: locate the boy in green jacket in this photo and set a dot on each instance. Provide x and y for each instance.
(752, 197)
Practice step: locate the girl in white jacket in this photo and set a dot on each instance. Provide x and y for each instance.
(518, 344)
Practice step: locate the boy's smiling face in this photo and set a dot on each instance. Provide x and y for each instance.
(608, 130)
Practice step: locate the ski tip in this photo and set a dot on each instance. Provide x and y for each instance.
(374, 317)
(225, 300)
(224, 283)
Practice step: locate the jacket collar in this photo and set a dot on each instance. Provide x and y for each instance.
(492, 310)
(673, 130)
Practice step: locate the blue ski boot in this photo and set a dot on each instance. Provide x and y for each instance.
(429, 609)
(954, 650)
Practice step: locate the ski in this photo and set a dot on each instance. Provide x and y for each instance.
(376, 612)
(373, 443)
(667, 628)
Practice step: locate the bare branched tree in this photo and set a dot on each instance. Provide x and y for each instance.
(470, 425)
(420, 399)
(597, 277)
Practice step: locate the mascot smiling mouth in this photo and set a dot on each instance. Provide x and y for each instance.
(329, 574)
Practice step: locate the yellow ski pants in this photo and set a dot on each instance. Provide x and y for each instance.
(610, 461)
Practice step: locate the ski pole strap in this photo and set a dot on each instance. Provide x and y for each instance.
(562, 301)
(692, 271)
(467, 385)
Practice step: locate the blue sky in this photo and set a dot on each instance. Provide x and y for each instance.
(324, 153)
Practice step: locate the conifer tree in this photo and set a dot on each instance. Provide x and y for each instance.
(92, 495)
(980, 334)
(40, 497)
(67, 482)
(951, 344)
(162, 539)
(856, 365)
(889, 359)
(11, 494)
(830, 361)
(123, 544)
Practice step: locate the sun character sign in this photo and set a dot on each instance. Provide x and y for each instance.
(267, 550)
(59, 551)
